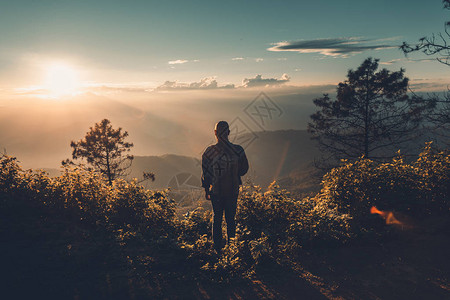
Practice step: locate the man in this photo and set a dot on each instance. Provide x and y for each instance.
(223, 164)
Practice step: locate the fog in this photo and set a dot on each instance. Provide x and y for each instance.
(38, 131)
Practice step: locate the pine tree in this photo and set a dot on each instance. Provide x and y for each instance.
(105, 148)
(372, 114)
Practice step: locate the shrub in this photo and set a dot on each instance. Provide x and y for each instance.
(418, 189)
(10, 175)
(85, 195)
(272, 226)
(284, 222)
(142, 209)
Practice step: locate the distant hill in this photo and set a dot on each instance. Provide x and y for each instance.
(166, 167)
(276, 154)
(52, 172)
(273, 155)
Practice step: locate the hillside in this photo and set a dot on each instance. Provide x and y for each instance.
(280, 155)
(165, 167)
(76, 237)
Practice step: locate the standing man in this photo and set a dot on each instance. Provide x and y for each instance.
(223, 164)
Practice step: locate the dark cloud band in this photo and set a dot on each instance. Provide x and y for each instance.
(332, 46)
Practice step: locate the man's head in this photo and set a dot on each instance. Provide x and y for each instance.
(222, 131)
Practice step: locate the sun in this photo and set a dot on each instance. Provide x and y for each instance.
(61, 80)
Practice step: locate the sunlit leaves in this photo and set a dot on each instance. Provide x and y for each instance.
(272, 226)
(418, 188)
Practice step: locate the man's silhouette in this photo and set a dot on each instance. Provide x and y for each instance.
(223, 164)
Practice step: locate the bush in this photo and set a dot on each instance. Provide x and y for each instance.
(418, 189)
(10, 174)
(272, 226)
(84, 195)
(141, 209)
(284, 220)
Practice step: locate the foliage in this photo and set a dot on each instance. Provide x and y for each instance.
(435, 45)
(84, 194)
(371, 116)
(273, 227)
(418, 189)
(104, 148)
(10, 173)
(439, 117)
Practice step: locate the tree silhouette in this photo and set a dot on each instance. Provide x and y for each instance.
(439, 118)
(371, 116)
(436, 44)
(104, 148)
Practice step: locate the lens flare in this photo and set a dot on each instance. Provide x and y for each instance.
(387, 215)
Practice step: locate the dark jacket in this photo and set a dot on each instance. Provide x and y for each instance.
(223, 164)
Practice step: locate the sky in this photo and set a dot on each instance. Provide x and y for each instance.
(166, 71)
(146, 43)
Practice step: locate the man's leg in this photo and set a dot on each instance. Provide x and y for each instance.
(230, 214)
(218, 207)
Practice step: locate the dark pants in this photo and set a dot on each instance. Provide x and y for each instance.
(221, 204)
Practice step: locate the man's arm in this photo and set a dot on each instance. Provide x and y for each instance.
(243, 163)
(206, 176)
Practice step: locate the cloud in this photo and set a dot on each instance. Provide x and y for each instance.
(181, 61)
(332, 46)
(407, 60)
(259, 59)
(390, 62)
(30, 91)
(178, 62)
(207, 83)
(237, 58)
(259, 81)
(210, 83)
(424, 59)
(117, 88)
(429, 85)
